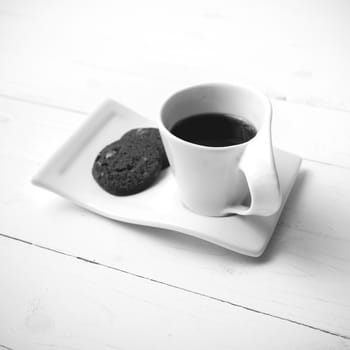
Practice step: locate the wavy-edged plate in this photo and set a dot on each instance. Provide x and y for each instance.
(68, 174)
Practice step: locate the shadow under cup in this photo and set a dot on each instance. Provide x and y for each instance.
(209, 179)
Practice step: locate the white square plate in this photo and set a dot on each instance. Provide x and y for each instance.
(68, 173)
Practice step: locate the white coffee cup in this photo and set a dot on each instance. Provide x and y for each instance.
(216, 181)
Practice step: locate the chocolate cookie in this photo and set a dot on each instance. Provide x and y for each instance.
(126, 167)
(152, 135)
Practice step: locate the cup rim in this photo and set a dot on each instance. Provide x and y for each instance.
(266, 101)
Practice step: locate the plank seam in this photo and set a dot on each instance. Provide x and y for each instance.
(326, 163)
(43, 104)
(177, 287)
(6, 347)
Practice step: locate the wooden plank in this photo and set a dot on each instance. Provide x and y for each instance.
(107, 47)
(53, 301)
(304, 275)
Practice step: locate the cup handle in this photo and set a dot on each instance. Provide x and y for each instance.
(258, 165)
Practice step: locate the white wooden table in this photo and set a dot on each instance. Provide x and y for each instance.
(70, 279)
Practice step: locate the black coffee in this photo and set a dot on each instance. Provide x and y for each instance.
(214, 130)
